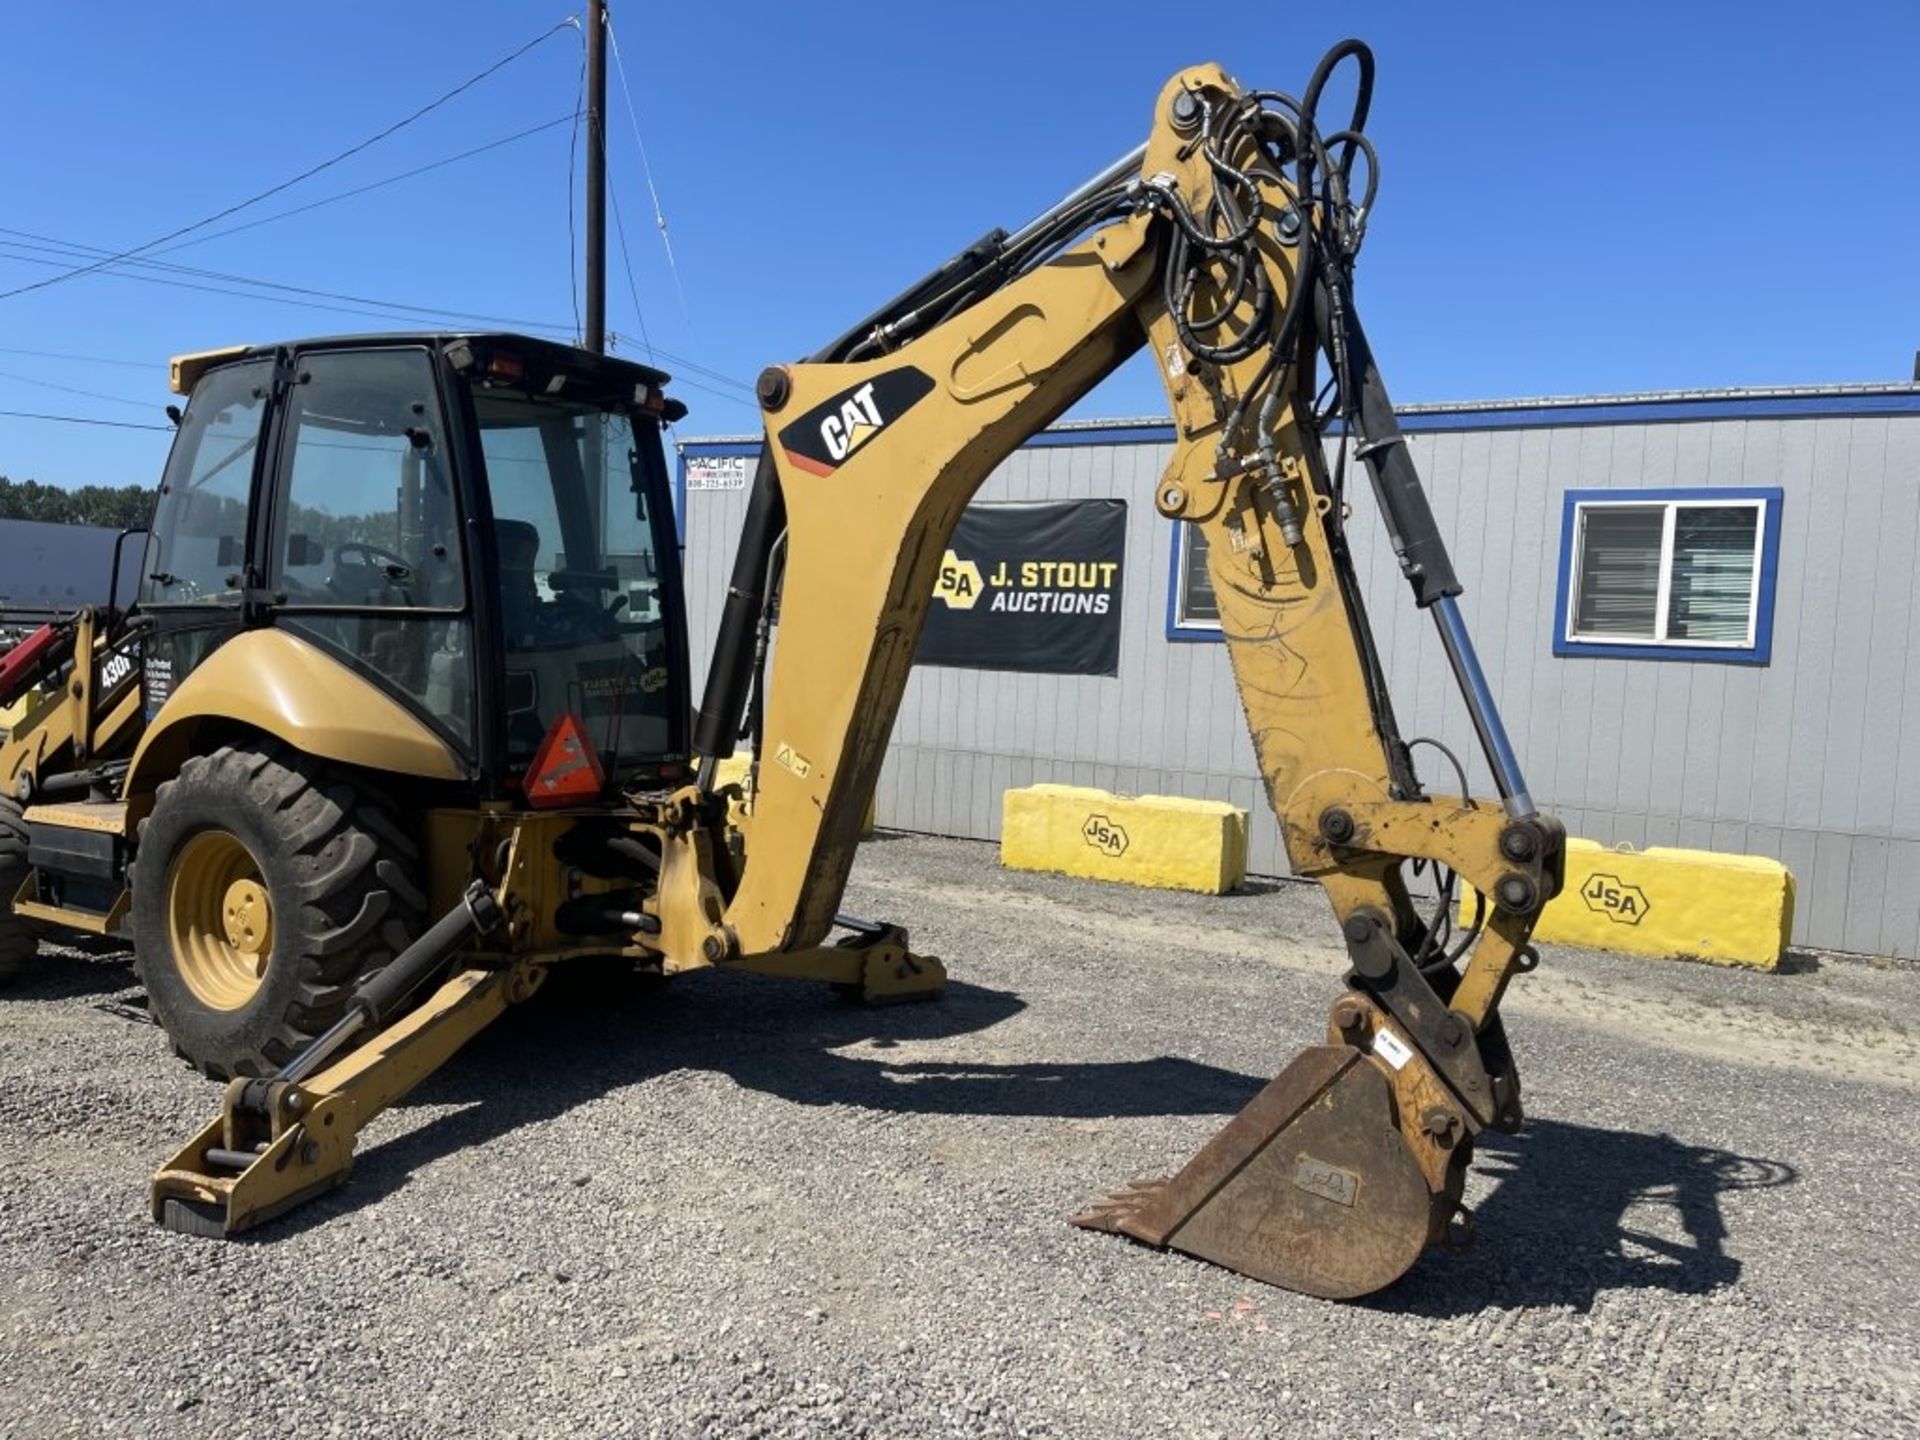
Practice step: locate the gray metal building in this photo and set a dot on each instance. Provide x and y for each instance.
(46, 567)
(1699, 612)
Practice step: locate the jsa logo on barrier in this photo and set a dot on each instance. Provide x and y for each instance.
(1105, 836)
(1620, 902)
(837, 428)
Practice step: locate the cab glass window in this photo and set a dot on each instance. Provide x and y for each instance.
(200, 524)
(369, 517)
(584, 628)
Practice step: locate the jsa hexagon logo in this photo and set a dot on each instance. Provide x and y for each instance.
(960, 582)
(1105, 836)
(1619, 901)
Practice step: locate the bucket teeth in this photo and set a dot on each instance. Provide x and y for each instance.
(1128, 1211)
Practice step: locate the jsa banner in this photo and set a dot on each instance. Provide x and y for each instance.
(1031, 587)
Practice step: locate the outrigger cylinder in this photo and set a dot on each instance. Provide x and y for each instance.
(476, 914)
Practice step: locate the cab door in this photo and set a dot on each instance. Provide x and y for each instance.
(364, 537)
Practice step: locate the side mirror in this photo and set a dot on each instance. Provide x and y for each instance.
(228, 552)
(304, 550)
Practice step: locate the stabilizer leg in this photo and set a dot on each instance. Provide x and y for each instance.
(282, 1140)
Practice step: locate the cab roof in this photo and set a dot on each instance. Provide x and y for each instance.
(609, 373)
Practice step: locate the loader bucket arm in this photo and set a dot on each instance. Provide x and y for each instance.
(1227, 245)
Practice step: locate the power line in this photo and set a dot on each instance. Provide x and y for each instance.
(69, 355)
(363, 305)
(573, 149)
(646, 169)
(386, 315)
(682, 382)
(76, 390)
(82, 420)
(626, 261)
(306, 174)
(53, 245)
(367, 305)
(680, 363)
(372, 185)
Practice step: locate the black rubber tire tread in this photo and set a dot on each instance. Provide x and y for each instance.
(18, 936)
(343, 874)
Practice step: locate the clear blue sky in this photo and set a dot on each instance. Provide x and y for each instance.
(1575, 199)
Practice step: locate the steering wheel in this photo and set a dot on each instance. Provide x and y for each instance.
(392, 568)
(376, 553)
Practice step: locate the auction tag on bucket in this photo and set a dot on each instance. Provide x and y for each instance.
(1391, 1048)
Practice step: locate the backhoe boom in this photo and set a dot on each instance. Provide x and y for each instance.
(1226, 245)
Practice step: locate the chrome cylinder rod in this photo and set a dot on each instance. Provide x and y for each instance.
(1125, 168)
(1486, 715)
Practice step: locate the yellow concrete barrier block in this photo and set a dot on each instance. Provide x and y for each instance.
(1160, 840)
(735, 768)
(1685, 904)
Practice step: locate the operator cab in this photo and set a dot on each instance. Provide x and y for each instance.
(480, 525)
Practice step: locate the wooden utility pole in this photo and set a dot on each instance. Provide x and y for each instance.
(596, 240)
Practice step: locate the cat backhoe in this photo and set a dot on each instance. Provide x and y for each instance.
(401, 716)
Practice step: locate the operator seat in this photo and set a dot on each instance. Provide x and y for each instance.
(519, 544)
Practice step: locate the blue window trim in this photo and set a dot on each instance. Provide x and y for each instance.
(1188, 632)
(1760, 652)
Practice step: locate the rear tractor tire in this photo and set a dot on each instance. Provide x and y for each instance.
(18, 939)
(265, 887)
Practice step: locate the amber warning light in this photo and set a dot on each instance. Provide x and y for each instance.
(566, 768)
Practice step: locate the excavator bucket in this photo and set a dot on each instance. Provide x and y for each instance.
(1313, 1186)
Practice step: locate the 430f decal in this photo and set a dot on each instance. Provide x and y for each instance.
(834, 429)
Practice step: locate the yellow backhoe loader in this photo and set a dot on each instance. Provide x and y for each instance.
(401, 716)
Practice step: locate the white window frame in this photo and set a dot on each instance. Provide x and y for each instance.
(1671, 508)
(1181, 625)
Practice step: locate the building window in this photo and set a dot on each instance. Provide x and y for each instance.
(1193, 612)
(1668, 574)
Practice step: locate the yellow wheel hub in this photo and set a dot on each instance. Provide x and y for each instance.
(219, 920)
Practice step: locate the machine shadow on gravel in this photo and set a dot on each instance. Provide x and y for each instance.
(77, 967)
(1577, 1210)
(583, 1038)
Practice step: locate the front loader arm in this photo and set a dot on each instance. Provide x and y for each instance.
(1237, 273)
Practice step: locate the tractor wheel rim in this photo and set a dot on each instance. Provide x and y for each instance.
(219, 920)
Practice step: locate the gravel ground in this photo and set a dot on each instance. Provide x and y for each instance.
(740, 1207)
